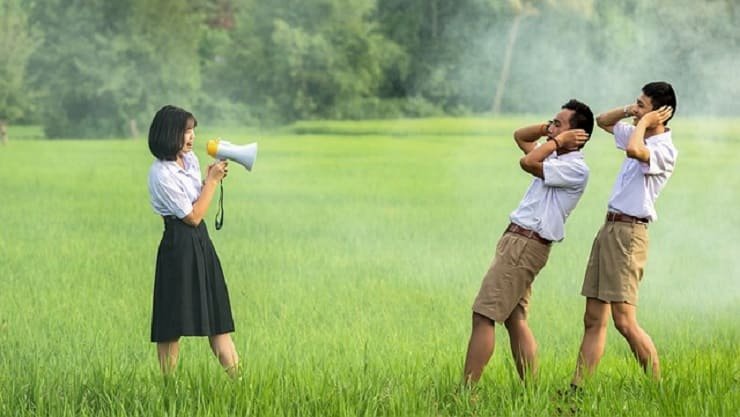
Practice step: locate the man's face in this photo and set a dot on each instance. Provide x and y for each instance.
(560, 123)
(643, 105)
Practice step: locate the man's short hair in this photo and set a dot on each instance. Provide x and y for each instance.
(661, 94)
(582, 118)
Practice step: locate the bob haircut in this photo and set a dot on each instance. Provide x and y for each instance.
(167, 132)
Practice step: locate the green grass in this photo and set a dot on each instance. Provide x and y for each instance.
(352, 261)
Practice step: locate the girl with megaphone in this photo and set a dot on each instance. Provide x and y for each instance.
(190, 294)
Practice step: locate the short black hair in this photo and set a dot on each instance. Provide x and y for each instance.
(661, 94)
(582, 118)
(167, 132)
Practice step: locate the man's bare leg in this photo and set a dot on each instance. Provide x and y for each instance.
(480, 348)
(625, 320)
(523, 343)
(594, 338)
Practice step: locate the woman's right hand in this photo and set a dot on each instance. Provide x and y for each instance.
(217, 171)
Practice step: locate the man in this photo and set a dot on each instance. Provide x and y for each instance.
(619, 252)
(560, 176)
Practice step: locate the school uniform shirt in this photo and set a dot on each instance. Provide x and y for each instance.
(639, 183)
(172, 189)
(548, 202)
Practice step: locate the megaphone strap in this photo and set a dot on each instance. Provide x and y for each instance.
(220, 212)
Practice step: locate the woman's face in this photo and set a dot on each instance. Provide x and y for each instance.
(189, 137)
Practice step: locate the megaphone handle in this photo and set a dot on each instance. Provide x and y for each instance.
(220, 212)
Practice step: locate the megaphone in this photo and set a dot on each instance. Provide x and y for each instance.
(241, 154)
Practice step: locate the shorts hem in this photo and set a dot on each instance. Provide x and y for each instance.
(487, 314)
(611, 298)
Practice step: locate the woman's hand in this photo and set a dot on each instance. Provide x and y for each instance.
(217, 171)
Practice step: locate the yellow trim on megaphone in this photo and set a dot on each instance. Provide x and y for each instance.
(212, 147)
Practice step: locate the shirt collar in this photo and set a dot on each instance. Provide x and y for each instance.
(661, 137)
(569, 155)
(172, 165)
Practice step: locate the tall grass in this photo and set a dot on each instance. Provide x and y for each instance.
(352, 262)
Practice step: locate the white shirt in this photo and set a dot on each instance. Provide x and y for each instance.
(548, 202)
(172, 190)
(638, 183)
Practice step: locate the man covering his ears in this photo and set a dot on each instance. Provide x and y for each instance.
(559, 179)
(619, 252)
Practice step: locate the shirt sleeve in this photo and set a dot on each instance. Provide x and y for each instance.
(170, 196)
(662, 159)
(622, 132)
(564, 174)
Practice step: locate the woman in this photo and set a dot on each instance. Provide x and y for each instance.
(190, 294)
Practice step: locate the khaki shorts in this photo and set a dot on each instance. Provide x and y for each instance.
(508, 282)
(617, 262)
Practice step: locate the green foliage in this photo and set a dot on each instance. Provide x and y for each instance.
(116, 65)
(18, 39)
(359, 108)
(98, 68)
(448, 61)
(303, 59)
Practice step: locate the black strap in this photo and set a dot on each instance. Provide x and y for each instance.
(220, 212)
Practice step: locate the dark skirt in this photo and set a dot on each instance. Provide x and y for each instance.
(190, 294)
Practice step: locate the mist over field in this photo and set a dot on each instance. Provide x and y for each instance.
(588, 50)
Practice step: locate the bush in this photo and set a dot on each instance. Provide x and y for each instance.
(377, 108)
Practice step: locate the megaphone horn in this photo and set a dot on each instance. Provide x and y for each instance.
(241, 154)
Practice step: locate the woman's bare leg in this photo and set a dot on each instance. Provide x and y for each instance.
(167, 353)
(224, 349)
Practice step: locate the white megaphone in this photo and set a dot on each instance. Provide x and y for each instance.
(242, 154)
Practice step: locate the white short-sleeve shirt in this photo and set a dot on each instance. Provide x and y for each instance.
(172, 189)
(638, 183)
(548, 202)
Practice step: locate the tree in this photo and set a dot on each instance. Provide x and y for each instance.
(443, 42)
(116, 64)
(521, 9)
(298, 59)
(17, 42)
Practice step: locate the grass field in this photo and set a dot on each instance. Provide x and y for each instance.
(353, 252)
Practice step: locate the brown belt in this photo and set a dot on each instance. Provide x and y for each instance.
(515, 228)
(619, 217)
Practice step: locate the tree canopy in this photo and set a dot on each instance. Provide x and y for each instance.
(96, 68)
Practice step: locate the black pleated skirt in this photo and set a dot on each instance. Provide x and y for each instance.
(190, 294)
